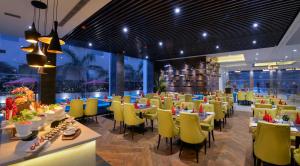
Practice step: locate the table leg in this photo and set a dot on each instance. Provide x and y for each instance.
(297, 141)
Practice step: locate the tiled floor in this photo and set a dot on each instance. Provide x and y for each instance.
(231, 147)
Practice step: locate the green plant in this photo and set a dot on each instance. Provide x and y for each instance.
(24, 115)
(285, 118)
(160, 84)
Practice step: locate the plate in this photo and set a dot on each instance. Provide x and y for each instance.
(23, 136)
(69, 132)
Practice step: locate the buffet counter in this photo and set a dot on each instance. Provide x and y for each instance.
(79, 151)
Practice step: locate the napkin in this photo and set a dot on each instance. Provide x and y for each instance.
(205, 99)
(105, 97)
(297, 121)
(148, 102)
(173, 110)
(267, 117)
(262, 101)
(136, 106)
(201, 109)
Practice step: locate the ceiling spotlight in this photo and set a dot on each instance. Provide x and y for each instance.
(125, 29)
(286, 57)
(29, 27)
(255, 25)
(177, 10)
(160, 43)
(257, 53)
(181, 52)
(204, 34)
(294, 50)
(254, 42)
(217, 46)
(147, 57)
(90, 44)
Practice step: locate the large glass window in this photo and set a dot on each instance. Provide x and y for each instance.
(239, 80)
(133, 75)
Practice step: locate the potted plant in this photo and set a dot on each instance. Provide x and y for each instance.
(23, 122)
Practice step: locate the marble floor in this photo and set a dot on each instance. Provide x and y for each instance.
(232, 146)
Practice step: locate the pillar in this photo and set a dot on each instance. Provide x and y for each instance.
(116, 74)
(148, 76)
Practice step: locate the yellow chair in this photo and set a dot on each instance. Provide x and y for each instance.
(263, 106)
(166, 126)
(188, 105)
(118, 114)
(197, 104)
(130, 118)
(286, 107)
(297, 156)
(292, 114)
(209, 125)
(272, 143)
(219, 114)
(191, 132)
(149, 95)
(188, 97)
(117, 98)
(241, 97)
(152, 114)
(208, 107)
(249, 97)
(91, 108)
(126, 99)
(76, 108)
(260, 112)
(143, 100)
(168, 103)
(181, 97)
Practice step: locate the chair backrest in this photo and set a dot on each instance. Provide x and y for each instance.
(263, 105)
(208, 107)
(190, 130)
(197, 104)
(292, 114)
(143, 100)
(129, 114)
(126, 99)
(250, 96)
(219, 114)
(154, 102)
(118, 111)
(260, 112)
(168, 103)
(91, 107)
(76, 108)
(241, 95)
(165, 123)
(116, 98)
(149, 95)
(188, 105)
(286, 107)
(272, 143)
(188, 97)
(181, 97)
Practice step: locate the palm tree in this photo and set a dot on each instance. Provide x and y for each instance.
(7, 68)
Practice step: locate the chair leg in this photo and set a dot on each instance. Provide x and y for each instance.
(205, 146)
(158, 141)
(171, 144)
(220, 123)
(125, 128)
(132, 132)
(181, 149)
(197, 152)
(209, 139)
(96, 119)
(166, 140)
(212, 134)
(120, 127)
(223, 122)
(115, 124)
(152, 125)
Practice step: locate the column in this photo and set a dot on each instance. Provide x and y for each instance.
(116, 74)
(148, 76)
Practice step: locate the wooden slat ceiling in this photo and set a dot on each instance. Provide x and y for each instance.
(228, 24)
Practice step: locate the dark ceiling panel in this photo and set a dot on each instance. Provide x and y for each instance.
(228, 24)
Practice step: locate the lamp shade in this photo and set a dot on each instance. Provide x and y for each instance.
(36, 58)
(47, 39)
(32, 35)
(54, 46)
(28, 48)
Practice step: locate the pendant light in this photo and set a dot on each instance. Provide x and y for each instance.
(47, 38)
(32, 35)
(28, 48)
(54, 46)
(36, 58)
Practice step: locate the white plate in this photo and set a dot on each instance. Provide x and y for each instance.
(23, 136)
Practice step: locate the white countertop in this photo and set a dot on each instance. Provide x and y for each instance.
(12, 151)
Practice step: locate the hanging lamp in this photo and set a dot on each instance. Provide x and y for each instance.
(28, 48)
(36, 58)
(32, 35)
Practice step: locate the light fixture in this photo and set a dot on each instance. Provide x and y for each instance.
(257, 53)
(32, 35)
(204, 34)
(36, 58)
(217, 46)
(262, 64)
(237, 71)
(181, 52)
(147, 57)
(160, 43)
(294, 50)
(286, 57)
(255, 25)
(177, 10)
(231, 58)
(125, 29)
(28, 48)
(254, 42)
(47, 39)
(90, 44)
(266, 70)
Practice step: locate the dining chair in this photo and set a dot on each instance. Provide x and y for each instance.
(91, 108)
(117, 98)
(286, 107)
(260, 112)
(191, 132)
(197, 104)
(188, 105)
(249, 97)
(166, 126)
(219, 113)
(143, 100)
(209, 125)
(296, 156)
(152, 113)
(131, 119)
(272, 144)
(168, 103)
(126, 99)
(118, 114)
(188, 97)
(76, 108)
(241, 97)
(263, 105)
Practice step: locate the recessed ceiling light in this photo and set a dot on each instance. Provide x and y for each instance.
(257, 53)
(286, 57)
(90, 44)
(160, 43)
(217, 46)
(177, 10)
(255, 25)
(125, 29)
(181, 52)
(254, 42)
(204, 34)
(29, 27)
(147, 57)
(294, 50)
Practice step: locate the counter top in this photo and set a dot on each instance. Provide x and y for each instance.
(12, 151)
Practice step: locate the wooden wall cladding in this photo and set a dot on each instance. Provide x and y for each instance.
(188, 75)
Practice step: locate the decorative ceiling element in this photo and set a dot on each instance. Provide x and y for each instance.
(173, 29)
